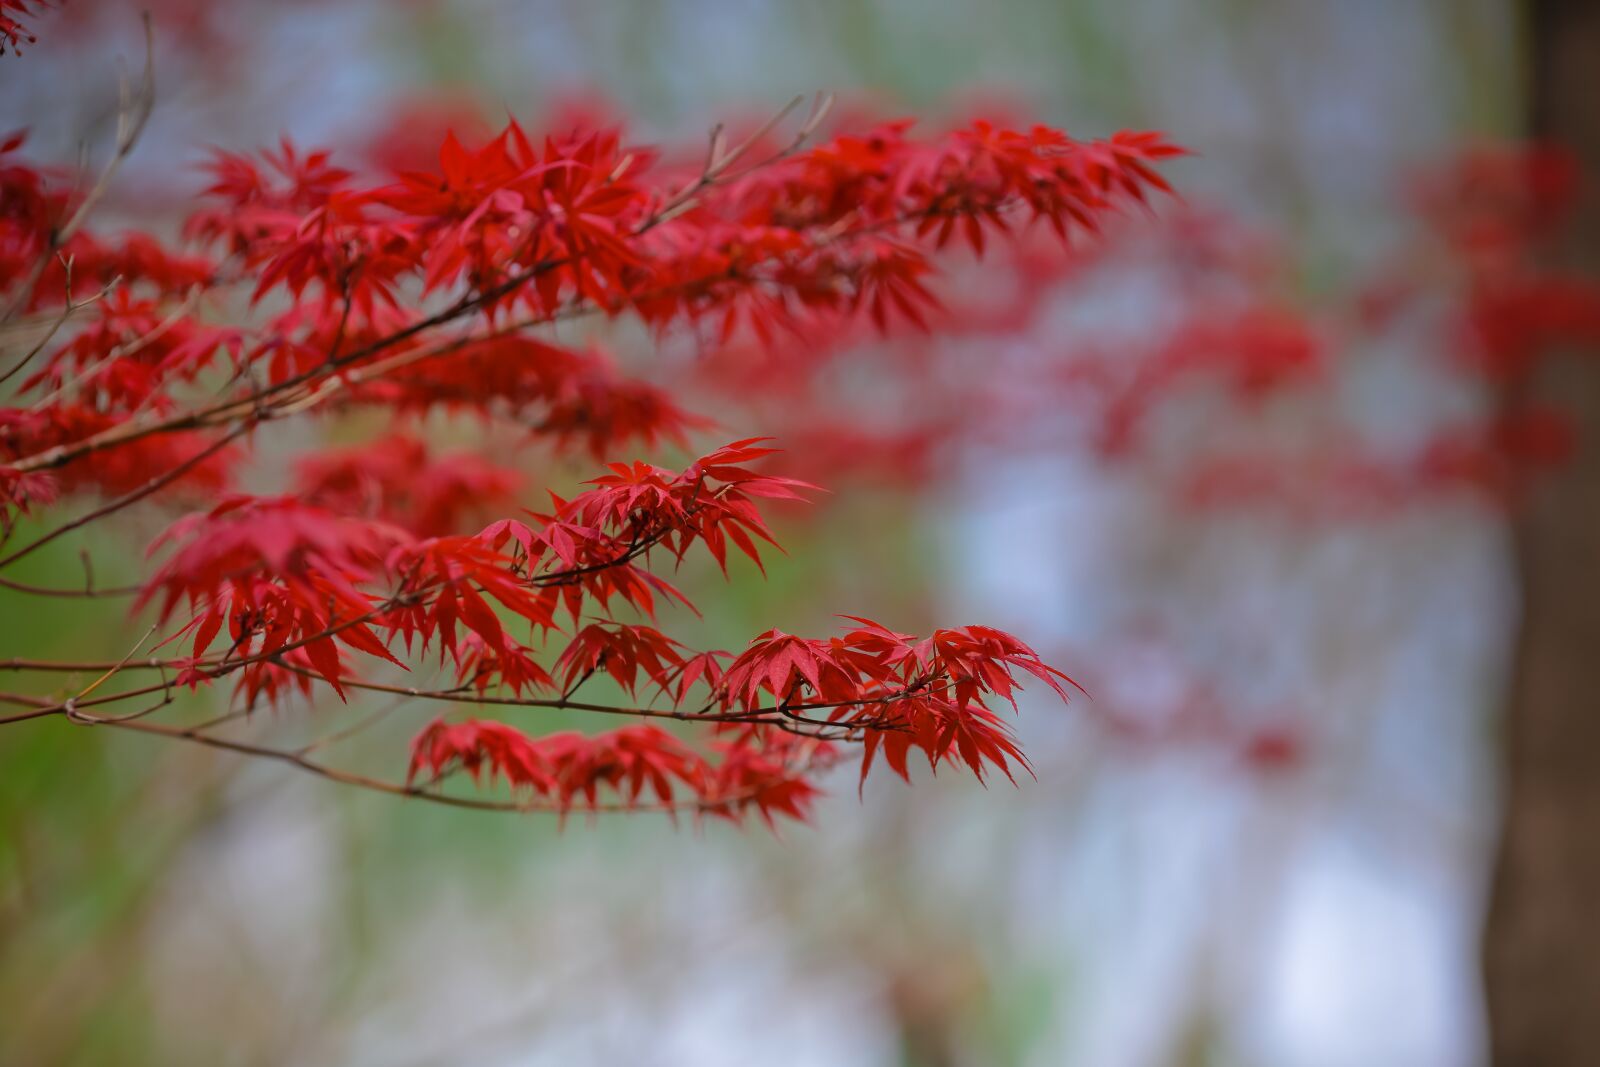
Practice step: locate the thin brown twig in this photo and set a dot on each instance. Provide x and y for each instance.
(45, 590)
(133, 112)
(345, 777)
(153, 485)
(69, 308)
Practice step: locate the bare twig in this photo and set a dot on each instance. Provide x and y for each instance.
(68, 309)
(133, 111)
(153, 485)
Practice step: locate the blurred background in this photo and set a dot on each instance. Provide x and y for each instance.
(1265, 840)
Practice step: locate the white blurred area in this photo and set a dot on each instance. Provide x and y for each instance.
(1319, 914)
(1138, 905)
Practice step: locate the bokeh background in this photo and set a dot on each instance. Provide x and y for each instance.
(1301, 885)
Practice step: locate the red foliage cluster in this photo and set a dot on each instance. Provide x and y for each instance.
(285, 577)
(305, 288)
(549, 230)
(761, 773)
(399, 479)
(784, 697)
(837, 229)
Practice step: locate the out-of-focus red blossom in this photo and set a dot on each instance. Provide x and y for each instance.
(1498, 459)
(898, 455)
(1494, 211)
(1332, 485)
(1514, 321)
(411, 131)
(1273, 750)
(1154, 704)
(32, 202)
(1255, 352)
(1496, 200)
(572, 397)
(1252, 353)
(1495, 459)
(1510, 314)
(35, 201)
(398, 479)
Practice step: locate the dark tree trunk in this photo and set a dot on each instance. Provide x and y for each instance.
(1542, 943)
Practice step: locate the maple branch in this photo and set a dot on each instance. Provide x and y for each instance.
(252, 403)
(153, 485)
(332, 382)
(127, 433)
(361, 781)
(636, 549)
(719, 158)
(759, 715)
(555, 704)
(60, 666)
(217, 668)
(89, 593)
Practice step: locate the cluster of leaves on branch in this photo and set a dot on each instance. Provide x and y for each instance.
(148, 373)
